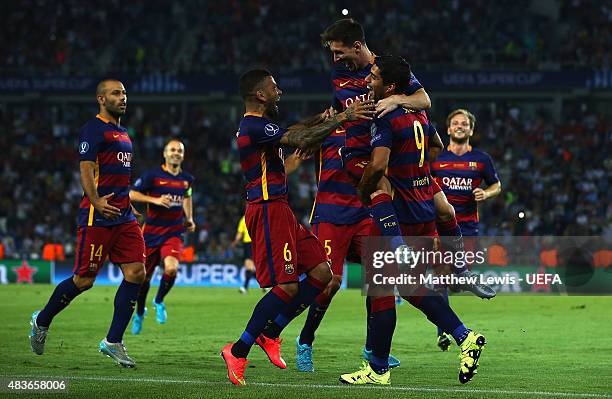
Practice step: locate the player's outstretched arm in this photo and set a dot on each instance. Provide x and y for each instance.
(373, 173)
(419, 100)
(308, 138)
(89, 187)
(165, 200)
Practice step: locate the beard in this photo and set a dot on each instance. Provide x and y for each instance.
(462, 140)
(271, 110)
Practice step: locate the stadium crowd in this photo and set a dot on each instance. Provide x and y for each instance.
(557, 174)
(208, 36)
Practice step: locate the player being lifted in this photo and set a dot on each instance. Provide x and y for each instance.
(167, 191)
(106, 224)
(339, 218)
(282, 248)
(460, 170)
(399, 163)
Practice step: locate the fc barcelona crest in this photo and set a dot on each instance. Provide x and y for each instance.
(289, 269)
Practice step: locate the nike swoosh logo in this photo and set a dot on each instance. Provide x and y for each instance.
(385, 218)
(345, 83)
(116, 135)
(174, 250)
(163, 182)
(444, 164)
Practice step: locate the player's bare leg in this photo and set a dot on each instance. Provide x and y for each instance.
(125, 301)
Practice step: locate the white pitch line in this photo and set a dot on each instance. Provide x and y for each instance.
(319, 386)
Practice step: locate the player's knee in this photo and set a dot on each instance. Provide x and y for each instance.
(334, 285)
(321, 272)
(83, 283)
(291, 289)
(134, 273)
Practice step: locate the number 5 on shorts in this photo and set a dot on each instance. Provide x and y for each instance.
(327, 245)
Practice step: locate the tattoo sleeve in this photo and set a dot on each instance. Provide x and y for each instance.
(309, 137)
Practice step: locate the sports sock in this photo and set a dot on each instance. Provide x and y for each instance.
(316, 312)
(451, 229)
(62, 295)
(444, 294)
(460, 334)
(368, 343)
(386, 219)
(308, 290)
(436, 309)
(141, 300)
(383, 326)
(266, 309)
(165, 284)
(125, 301)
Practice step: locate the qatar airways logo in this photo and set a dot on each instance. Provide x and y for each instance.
(360, 97)
(458, 183)
(125, 158)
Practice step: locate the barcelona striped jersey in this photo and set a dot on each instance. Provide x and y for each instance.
(261, 158)
(162, 223)
(110, 147)
(350, 86)
(458, 176)
(407, 134)
(337, 201)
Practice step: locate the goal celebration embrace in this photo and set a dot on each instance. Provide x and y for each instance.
(306, 199)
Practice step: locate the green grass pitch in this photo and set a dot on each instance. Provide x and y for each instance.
(538, 346)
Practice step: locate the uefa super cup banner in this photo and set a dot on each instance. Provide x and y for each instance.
(189, 274)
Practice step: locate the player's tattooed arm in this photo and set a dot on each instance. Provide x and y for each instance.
(309, 138)
(419, 100)
(373, 175)
(101, 204)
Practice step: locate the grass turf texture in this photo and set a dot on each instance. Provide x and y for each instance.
(538, 346)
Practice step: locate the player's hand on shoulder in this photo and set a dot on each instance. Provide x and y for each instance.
(360, 110)
(386, 105)
(165, 200)
(190, 225)
(107, 210)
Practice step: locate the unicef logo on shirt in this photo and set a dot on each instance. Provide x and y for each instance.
(83, 147)
(271, 129)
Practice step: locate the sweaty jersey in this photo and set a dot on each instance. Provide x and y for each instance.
(110, 147)
(261, 158)
(458, 176)
(407, 135)
(162, 223)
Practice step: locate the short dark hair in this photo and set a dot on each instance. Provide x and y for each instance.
(250, 80)
(394, 69)
(347, 31)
